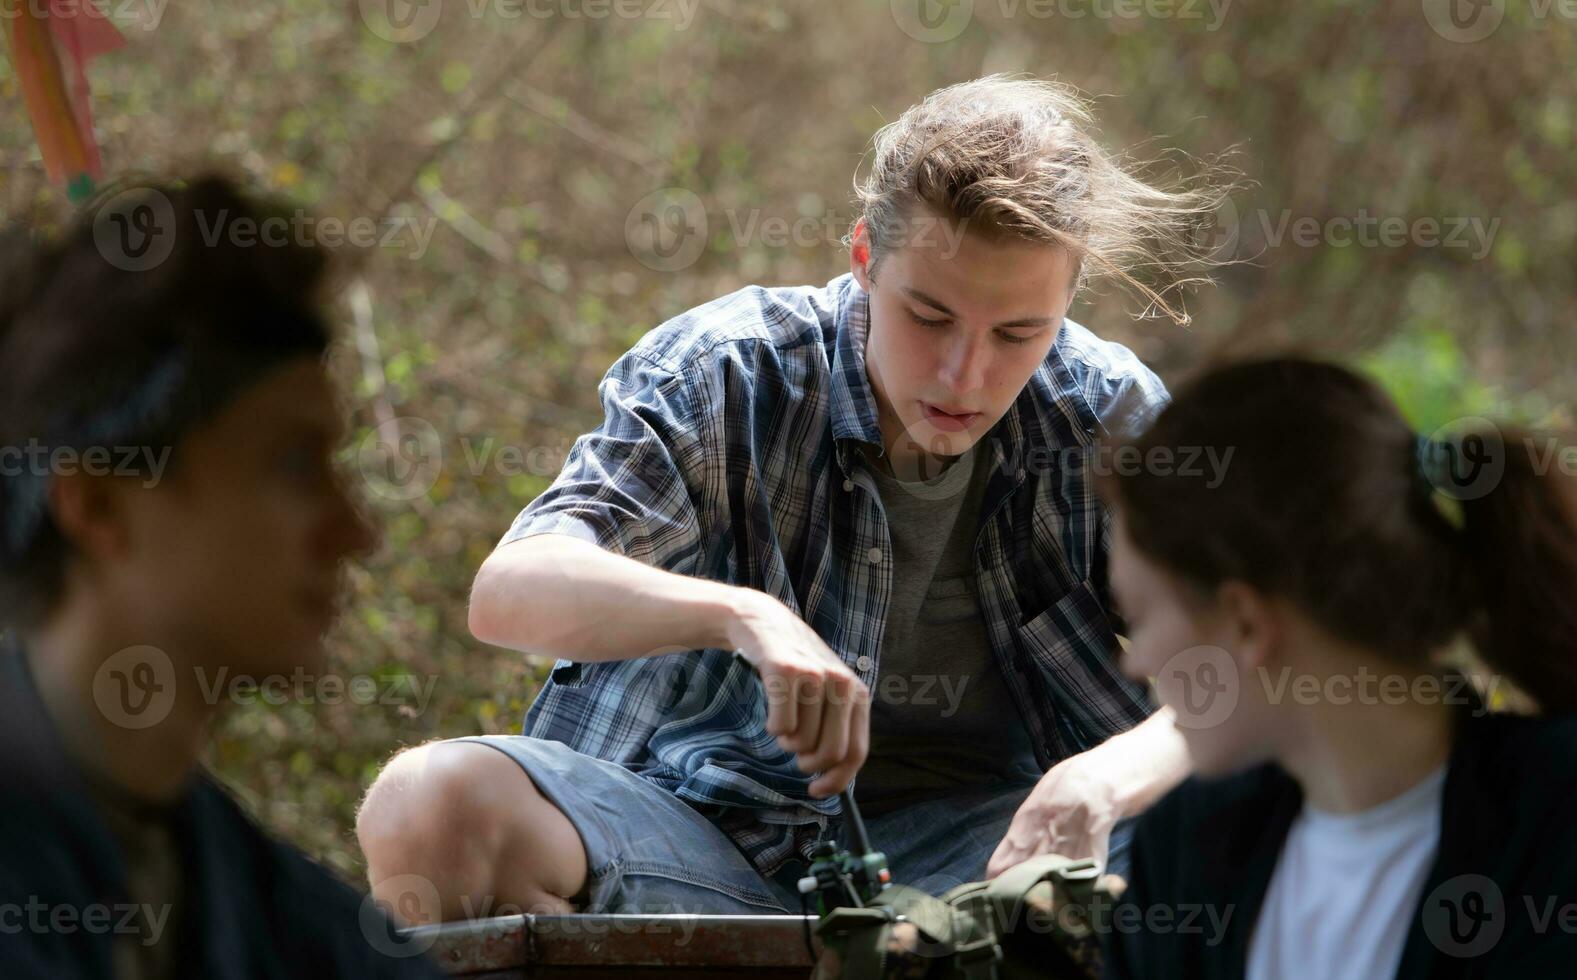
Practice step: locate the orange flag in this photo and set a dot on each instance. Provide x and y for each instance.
(51, 43)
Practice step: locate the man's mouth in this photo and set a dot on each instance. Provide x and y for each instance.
(948, 421)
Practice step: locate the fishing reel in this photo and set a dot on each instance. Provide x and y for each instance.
(841, 878)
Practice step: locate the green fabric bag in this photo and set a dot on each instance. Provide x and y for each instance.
(1030, 921)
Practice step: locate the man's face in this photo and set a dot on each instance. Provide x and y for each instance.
(955, 334)
(236, 555)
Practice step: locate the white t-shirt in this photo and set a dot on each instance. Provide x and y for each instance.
(1346, 888)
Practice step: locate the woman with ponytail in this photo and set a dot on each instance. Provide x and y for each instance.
(1357, 810)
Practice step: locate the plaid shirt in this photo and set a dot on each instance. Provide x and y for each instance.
(729, 450)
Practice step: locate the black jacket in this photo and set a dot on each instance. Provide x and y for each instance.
(252, 907)
(1505, 870)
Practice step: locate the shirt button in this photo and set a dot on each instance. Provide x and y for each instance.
(875, 556)
(864, 663)
(848, 485)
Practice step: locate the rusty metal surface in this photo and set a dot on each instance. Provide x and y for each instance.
(671, 940)
(478, 945)
(651, 972)
(668, 945)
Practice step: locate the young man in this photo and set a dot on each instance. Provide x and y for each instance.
(821, 529)
(169, 514)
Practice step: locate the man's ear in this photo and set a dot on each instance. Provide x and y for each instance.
(1252, 623)
(860, 255)
(90, 512)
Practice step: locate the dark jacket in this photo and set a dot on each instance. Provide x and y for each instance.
(252, 906)
(1505, 870)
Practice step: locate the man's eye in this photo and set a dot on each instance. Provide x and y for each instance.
(922, 321)
(1010, 338)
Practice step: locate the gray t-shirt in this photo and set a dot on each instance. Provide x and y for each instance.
(941, 713)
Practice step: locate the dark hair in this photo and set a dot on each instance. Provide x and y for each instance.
(132, 326)
(1328, 501)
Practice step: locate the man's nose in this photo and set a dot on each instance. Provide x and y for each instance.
(963, 366)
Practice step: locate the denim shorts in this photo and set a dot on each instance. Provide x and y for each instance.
(650, 852)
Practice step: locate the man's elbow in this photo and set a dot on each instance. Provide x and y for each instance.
(487, 614)
(517, 595)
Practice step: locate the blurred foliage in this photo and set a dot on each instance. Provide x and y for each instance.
(528, 140)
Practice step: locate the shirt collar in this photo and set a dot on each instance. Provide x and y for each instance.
(854, 415)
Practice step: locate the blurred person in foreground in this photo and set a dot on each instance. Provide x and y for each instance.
(824, 530)
(1356, 809)
(169, 511)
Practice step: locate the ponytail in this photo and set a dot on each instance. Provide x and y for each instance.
(1519, 540)
(1389, 542)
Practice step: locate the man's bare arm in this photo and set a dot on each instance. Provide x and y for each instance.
(558, 596)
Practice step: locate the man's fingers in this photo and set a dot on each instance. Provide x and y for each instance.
(834, 780)
(1022, 842)
(860, 725)
(808, 694)
(833, 744)
(1003, 858)
(842, 772)
(1070, 843)
(782, 709)
(1014, 849)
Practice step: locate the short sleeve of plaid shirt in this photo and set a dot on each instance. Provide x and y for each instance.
(630, 486)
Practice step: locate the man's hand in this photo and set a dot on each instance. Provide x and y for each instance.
(816, 706)
(1073, 808)
(1071, 812)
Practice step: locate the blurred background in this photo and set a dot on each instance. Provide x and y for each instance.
(527, 186)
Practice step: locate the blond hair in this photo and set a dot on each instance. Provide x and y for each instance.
(1013, 158)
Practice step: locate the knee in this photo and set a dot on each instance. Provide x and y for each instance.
(433, 806)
